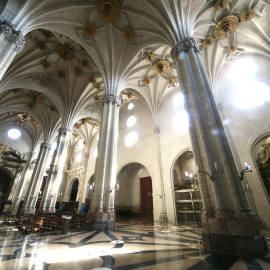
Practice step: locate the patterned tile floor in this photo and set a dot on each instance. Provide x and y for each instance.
(130, 246)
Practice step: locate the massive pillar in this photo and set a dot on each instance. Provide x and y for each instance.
(19, 188)
(31, 196)
(228, 224)
(49, 197)
(101, 214)
(11, 43)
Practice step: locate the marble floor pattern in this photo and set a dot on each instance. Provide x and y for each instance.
(131, 246)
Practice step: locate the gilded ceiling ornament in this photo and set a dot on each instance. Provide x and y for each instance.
(128, 33)
(42, 46)
(35, 99)
(24, 116)
(61, 74)
(46, 33)
(171, 81)
(98, 86)
(226, 27)
(77, 72)
(92, 80)
(108, 10)
(87, 120)
(10, 113)
(45, 64)
(208, 42)
(220, 4)
(232, 48)
(85, 63)
(267, 140)
(247, 15)
(77, 126)
(36, 123)
(97, 98)
(90, 29)
(53, 109)
(65, 52)
(161, 67)
(147, 80)
(150, 57)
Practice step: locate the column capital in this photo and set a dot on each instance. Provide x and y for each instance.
(156, 129)
(112, 98)
(52, 170)
(11, 35)
(64, 131)
(184, 45)
(45, 145)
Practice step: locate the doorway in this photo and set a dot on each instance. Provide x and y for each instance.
(135, 185)
(146, 198)
(73, 204)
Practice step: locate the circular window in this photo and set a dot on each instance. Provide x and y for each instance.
(14, 133)
(246, 97)
(131, 139)
(131, 121)
(130, 106)
(178, 100)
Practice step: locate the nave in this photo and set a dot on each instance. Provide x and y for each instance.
(132, 245)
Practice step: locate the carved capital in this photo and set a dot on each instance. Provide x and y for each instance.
(16, 37)
(113, 99)
(64, 131)
(156, 129)
(185, 45)
(52, 170)
(46, 145)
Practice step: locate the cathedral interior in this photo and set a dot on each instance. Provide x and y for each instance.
(87, 86)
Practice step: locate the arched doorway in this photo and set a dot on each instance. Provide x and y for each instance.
(134, 200)
(261, 155)
(73, 204)
(187, 194)
(6, 182)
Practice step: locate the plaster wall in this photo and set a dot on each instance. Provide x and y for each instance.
(244, 126)
(174, 139)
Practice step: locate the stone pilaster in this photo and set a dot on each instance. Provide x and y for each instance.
(228, 225)
(31, 196)
(11, 43)
(49, 197)
(101, 214)
(163, 213)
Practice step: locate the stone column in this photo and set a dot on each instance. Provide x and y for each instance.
(228, 225)
(11, 43)
(163, 213)
(49, 197)
(31, 196)
(17, 193)
(101, 214)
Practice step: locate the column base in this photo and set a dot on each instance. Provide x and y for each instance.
(99, 226)
(234, 234)
(46, 210)
(163, 218)
(100, 221)
(28, 211)
(246, 246)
